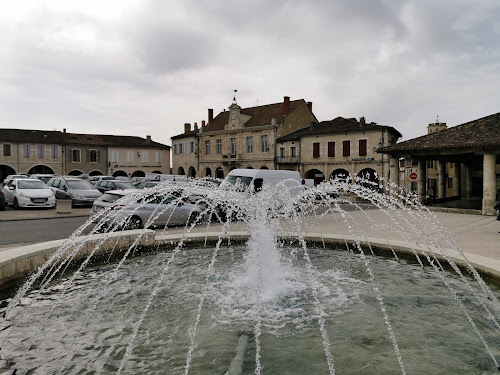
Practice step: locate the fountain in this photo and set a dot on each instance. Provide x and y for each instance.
(349, 282)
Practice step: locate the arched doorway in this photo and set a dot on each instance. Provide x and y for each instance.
(340, 174)
(75, 172)
(180, 171)
(207, 172)
(368, 177)
(191, 172)
(264, 167)
(95, 173)
(159, 172)
(249, 167)
(5, 171)
(41, 169)
(120, 173)
(316, 175)
(138, 174)
(219, 173)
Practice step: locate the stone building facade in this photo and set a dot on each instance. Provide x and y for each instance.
(61, 153)
(340, 147)
(238, 138)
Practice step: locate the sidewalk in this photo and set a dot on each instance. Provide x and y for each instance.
(37, 214)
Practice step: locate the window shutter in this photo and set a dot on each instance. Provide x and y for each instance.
(362, 147)
(70, 156)
(331, 149)
(98, 156)
(88, 156)
(316, 150)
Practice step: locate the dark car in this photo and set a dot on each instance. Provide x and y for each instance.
(107, 185)
(2, 200)
(81, 192)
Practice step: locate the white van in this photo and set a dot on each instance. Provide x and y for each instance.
(254, 180)
(165, 177)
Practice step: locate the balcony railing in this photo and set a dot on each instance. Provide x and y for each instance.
(287, 160)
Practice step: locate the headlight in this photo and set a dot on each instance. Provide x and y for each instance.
(21, 194)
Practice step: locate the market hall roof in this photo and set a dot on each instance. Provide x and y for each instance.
(472, 137)
(338, 125)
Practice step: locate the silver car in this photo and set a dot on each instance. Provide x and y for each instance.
(130, 210)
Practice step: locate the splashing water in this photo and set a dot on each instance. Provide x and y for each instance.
(277, 302)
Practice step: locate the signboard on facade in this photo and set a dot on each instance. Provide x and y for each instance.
(413, 176)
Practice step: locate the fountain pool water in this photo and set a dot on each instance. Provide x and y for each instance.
(273, 304)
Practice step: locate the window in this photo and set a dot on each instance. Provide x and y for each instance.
(180, 148)
(233, 146)
(6, 150)
(191, 147)
(207, 147)
(158, 157)
(450, 182)
(219, 146)
(93, 156)
(346, 148)
(114, 156)
(362, 147)
(293, 152)
(130, 156)
(76, 156)
(263, 142)
(27, 151)
(331, 149)
(250, 144)
(41, 151)
(144, 156)
(316, 150)
(54, 151)
(282, 152)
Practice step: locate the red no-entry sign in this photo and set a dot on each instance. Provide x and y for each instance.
(413, 176)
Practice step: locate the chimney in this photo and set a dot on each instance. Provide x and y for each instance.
(203, 124)
(195, 126)
(64, 130)
(210, 115)
(312, 125)
(286, 105)
(362, 121)
(148, 138)
(187, 127)
(310, 105)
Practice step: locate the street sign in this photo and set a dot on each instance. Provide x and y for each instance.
(413, 176)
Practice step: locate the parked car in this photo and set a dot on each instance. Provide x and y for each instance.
(2, 200)
(147, 184)
(94, 179)
(133, 211)
(28, 192)
(42, 177)
(137, 180)
(81, 192)
(13, 177)
(106, 185)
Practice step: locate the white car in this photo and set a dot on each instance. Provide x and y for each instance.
(27, 192)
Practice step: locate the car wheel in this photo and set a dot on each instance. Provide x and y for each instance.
(193, 219)
(16, 205)
(135, 222)
(2, 207)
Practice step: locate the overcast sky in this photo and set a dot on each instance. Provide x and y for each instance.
(146, 67)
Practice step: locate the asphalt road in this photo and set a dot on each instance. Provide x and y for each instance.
(29, 231)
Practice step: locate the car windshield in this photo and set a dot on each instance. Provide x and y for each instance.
(125, 185)
(239, 182)
(80, 185)
(109, 198)
(31, 185)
